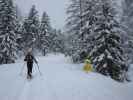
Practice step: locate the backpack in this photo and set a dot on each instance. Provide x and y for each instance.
(29, 58)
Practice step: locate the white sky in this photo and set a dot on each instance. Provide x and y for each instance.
(55, 8)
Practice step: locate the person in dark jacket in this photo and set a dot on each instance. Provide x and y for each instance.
(29, 58)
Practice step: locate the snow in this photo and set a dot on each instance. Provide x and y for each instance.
(101, 57)
(61, 80)
(130, 73)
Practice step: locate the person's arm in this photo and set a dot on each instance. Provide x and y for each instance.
(25, 59)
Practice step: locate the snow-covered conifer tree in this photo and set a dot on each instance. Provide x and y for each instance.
(81, 19)
(107, 53)
(57, 42)
(127, 23)
(75, 21)
(45, 32)
(7, 32)
(30, 29)
(19, 39)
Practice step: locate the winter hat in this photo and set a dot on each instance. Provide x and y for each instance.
(30, 50)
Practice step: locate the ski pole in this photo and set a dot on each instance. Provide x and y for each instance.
(39, 70)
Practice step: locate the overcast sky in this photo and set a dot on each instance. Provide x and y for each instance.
(55, 9)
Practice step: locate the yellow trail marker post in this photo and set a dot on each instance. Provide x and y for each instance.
(87, 67)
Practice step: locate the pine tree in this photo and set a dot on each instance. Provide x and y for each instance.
(57, 43)
(7, 32)
(127, 23)
(127, 15)
(45, 32)
(19, 38)
(107, 54)
(30, 29)
(61, 41)
(81, 19)
(89, 17)
(75, 22)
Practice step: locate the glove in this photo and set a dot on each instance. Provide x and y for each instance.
(25, 60)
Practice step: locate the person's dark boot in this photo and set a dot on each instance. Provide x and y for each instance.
(30, 75)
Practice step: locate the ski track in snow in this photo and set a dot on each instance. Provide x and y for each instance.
(60, 80)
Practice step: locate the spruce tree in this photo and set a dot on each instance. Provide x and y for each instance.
(75, 22)
(57, 43)
(18, 30)
(81, 20)
(107, 53)
(127, 23)
(45, 32)
(7, 32)
(30, 29)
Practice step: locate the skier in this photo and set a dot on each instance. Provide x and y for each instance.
(29, 58)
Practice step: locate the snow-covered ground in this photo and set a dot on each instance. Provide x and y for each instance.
(61, 80)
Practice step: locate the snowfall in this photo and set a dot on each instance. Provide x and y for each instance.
(60, 79)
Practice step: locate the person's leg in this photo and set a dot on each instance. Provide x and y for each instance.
(30, 69)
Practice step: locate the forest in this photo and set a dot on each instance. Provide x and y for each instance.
(100, 30)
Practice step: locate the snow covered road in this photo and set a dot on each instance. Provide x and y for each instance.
(61, 80)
